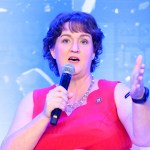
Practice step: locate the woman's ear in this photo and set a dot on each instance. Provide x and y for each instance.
(52, 51)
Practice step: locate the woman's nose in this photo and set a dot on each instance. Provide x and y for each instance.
(74, 48)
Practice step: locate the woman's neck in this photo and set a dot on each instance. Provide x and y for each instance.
(79, 86)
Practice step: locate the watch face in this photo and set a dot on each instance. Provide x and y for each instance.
(144, 98)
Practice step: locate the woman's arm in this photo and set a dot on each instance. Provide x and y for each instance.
(25, 132)
(135, 117)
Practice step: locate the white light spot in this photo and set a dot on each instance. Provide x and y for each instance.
(126, 64)
(144, 5)
(3, 10)
(26, 22)
(116, 59)
(20, 88)
(101, 61)
(33, 52)
(137, 24)
(127, 78)
(105, 25)
(105, 34)
(6, 78)
(132, 11)
(47, 8)
(122, 46)
(116, 11)
(88, 6)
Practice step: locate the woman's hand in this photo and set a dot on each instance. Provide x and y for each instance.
(56, 98)
(137, 85)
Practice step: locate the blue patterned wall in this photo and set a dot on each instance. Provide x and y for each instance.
(23, 24)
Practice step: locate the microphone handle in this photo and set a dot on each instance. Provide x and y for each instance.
(64, 82)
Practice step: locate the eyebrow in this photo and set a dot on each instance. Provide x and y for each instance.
(82, 35)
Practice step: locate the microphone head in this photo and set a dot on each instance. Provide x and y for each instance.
(68, 68)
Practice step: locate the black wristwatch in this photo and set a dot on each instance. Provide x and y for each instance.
(144, 98)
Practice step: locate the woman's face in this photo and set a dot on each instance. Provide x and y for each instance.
(75, 48)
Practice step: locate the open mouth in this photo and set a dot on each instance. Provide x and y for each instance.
(74, 59)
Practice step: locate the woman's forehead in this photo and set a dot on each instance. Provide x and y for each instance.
(75, 27)
(68, 30)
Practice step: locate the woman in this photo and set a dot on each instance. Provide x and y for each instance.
(103, 115)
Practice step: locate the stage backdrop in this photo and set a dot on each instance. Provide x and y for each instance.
(23, 25)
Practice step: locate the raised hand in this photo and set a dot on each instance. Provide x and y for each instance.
(137, 85)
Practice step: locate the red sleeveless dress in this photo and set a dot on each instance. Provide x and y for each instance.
(94, 126)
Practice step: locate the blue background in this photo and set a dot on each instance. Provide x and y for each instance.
(23, 25)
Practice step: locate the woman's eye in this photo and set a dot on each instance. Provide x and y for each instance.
(84, 42)
(65, 41)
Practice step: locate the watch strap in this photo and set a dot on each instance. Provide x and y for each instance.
(144, 98)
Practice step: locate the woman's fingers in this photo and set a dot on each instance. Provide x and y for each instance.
(56, 98)
(137, 79)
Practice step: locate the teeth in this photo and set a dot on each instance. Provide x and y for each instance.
(73, 58)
